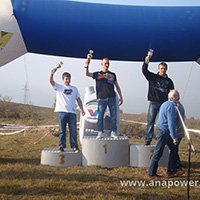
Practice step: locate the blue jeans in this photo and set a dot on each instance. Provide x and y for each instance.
(63, 119)
(102, 105)
(178, 158)
(162, 139)
(152, 113)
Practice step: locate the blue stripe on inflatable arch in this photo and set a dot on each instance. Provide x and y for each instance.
(120, 32)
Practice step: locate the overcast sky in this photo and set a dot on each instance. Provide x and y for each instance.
(35, 69)
(145, 2)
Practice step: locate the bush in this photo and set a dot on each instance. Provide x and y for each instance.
(132, 130)
(11, 111)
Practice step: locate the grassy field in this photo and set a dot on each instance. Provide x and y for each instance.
(23, 177)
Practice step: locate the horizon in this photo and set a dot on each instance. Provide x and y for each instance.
(34, 69)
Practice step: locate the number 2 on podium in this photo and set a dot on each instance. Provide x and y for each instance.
(105, 148)
(152, 151)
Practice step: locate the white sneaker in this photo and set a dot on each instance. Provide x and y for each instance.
(114, 135)
(100, 135)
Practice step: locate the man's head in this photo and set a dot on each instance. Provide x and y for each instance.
(162, 67)
(66, 77)
(105, 64)
(174, 94)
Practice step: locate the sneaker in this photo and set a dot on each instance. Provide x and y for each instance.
(61, 149)
(76, 149)
(114, 135)
(100, 135)
(147, 143)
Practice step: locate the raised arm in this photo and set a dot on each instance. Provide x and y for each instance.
(145, 70)
(53, 72)
(51, 76)
(87, 73)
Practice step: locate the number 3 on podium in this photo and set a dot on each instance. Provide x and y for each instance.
(61, 159)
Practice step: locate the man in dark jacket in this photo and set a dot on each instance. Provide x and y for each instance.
(159, 86)
(106, 81)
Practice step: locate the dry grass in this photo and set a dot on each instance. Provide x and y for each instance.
(23, 177)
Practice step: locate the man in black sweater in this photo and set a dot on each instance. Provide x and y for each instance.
(159, 86)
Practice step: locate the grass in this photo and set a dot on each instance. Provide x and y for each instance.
(23, 177)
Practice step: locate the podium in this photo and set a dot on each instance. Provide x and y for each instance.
(51, 156)
(106, 152)
(140, 155)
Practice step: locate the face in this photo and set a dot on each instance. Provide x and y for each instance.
(105, 63)
(66, 80)
(162, 70)
(176, 96)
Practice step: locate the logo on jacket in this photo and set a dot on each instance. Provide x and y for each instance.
(162, 85)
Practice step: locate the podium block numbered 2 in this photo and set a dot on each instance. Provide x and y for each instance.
(140, 155)
(51, 156)
(106, 152)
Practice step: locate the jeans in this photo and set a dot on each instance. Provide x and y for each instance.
(178, 158)
(162, 139)
(63, 119)
(152, 113)
(102, 105)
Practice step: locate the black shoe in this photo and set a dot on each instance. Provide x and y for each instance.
(61, 149)
(147, 143)
(155, 176)
(76, 149)
(174, 174)
(179, 167)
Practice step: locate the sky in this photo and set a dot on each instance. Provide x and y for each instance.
(34, 69)
(145, 2)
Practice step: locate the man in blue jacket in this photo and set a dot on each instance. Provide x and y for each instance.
(166, 128)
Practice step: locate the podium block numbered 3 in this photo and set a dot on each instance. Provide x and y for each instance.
(51, 156)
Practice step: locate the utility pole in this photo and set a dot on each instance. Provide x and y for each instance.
(26, 93)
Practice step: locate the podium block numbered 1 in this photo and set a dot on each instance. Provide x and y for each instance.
(140, 155)
(106, 152)
(51, 156)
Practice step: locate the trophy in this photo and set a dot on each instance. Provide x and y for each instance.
(150, 52)
(149, 55)
(59, 65)
(89, 56)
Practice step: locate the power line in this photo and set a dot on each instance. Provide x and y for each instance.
(27, 95)
(187, 81)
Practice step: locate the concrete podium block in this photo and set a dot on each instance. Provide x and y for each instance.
(106, 152)
(51, 156)
(140, 155)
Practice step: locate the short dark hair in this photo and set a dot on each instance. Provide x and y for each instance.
(66, 74)
(163, 64)
(105, 59)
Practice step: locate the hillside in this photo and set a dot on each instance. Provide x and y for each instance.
(11, 112)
